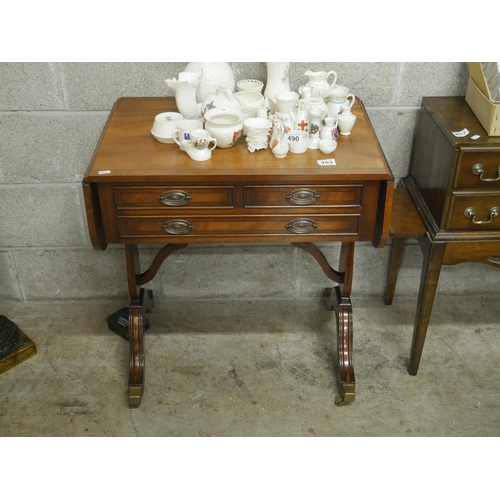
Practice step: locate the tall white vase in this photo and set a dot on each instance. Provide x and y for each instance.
(278, 78)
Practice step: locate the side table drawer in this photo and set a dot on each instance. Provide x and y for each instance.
(349, 195)
(174, 197)
(234, 226)
(478, 169)
(475, 211)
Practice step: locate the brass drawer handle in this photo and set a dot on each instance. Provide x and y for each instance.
(303, 196)
(471, 212)
(177, 226)
(174, 198)
(478, 169)
(301, 226)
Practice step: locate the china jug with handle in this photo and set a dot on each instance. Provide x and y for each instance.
(319, 80)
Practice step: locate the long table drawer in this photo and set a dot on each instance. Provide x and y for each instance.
(214, 226)
(175, 197)
(349, 195)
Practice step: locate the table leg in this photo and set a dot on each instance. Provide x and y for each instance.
(394, 265)
(339, 300)
(136, 328)
(431, 269)
(139, 304)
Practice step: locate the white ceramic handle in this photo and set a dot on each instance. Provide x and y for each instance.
(334, 77)
(175, 133)
(214, 140)
(353, 99)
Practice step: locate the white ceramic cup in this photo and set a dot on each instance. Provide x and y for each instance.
(165, 124)
(297, 141)
(184, 129)
(201, 139)
(285, 101)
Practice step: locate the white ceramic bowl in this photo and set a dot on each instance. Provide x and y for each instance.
(164, 125)
(253, 85)
(327, 146)
(226, 125)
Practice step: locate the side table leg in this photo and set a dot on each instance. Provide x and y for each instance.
(136, 354)
(394, 265)
(431, 269)
(339, 300)
(136, 328)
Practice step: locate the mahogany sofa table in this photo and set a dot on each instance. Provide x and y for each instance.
(140, 191)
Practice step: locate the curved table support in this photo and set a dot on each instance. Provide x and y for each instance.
(136, 322)
(338, 299)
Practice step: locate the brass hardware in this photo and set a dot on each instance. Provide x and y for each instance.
(348, 395)
(135, 395)
(478, 169)
(301, 226)
(177, 226)
(471, 212)
(302, 196)
(174, 198)
(494, 260)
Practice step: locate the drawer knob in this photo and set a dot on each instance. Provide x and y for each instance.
(478, 169)
(177, 226)
(302, 196)
(301, 226)
(174, 198)
(494, 260)
(471, 212)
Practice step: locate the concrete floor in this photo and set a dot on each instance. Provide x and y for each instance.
(259, 368)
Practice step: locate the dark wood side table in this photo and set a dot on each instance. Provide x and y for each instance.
(454, 182)
(138, 191)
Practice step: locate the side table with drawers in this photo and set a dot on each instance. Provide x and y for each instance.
(454, 182)
(140, 191)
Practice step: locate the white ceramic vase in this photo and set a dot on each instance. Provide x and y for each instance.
(278, 78)
(214, 74)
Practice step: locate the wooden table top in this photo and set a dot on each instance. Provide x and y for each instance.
(129, 150)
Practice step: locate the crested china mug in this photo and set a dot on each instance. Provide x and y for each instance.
(198, 147)
(184, 129)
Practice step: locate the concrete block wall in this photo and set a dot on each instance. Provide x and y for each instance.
(51, 117)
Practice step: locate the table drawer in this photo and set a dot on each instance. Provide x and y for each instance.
(234, 226)
(478, 169)
(486, 252)
(475, 211)
(349, 195)
(174, 197)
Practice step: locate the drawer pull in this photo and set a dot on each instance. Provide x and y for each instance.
(494, 260)
(302, 196)
(478, 169)
(174, 198)
(177, 226)
(301, 226)
(471, 212)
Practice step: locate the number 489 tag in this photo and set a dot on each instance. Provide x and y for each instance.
(326, 162)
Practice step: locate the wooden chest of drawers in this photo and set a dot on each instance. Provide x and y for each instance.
(454, 181)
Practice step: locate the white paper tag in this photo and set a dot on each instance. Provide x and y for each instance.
(475, 137)
(323, 163)
(104, 172)
(462, 133)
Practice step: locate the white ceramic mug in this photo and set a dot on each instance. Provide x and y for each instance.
(297, 141)
(286, 101)
(199, 146)
(184, 129)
